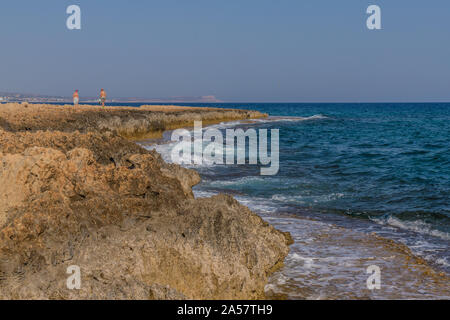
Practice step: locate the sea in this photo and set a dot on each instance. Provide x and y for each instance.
(359, 184)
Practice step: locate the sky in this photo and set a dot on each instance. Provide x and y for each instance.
(236, 50)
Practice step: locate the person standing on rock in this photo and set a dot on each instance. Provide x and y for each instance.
(76, 98)
(102, 97)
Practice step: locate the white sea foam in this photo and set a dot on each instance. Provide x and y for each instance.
(308, 262)
(196, 158)
(239, 181)
(302, 199)
(224, 125)
(163, 149)
(290, 119)
(204, 194)
(415, 226)
(443, 262)
(259, 205)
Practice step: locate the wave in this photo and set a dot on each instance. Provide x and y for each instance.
(239, 181)
(417, 226)
(196, 159)
(302, 199)
(259, 205)
(287, 118)
(441, 261)
(226, 124)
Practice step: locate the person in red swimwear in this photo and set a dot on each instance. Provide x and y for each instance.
(103, 97)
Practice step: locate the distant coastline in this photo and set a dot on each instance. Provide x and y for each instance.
(13, 97)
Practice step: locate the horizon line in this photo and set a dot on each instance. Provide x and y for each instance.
(230, 102)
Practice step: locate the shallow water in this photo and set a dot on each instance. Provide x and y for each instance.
(364, 168)
(330, 262)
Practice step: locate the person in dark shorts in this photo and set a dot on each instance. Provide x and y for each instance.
(76, 98)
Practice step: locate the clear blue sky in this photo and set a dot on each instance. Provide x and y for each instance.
(237, 50)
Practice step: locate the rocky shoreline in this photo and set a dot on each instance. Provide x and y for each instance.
(76, 190)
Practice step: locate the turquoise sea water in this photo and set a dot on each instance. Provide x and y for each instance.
(364, 160)
(372, 167)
